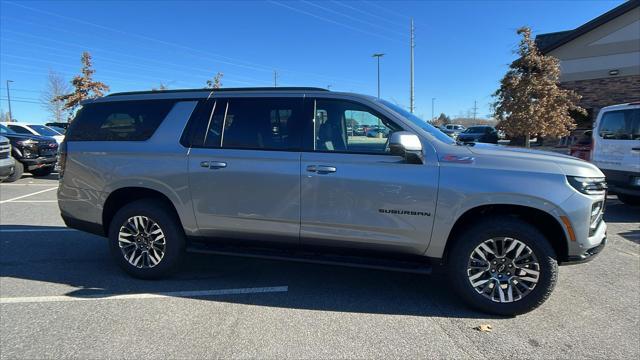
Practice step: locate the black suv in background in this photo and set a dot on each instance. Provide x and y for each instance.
(33, 153)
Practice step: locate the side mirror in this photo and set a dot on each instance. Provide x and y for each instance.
(407, 145)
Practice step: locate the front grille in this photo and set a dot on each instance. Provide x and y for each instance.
(4, 155)
(47, 148)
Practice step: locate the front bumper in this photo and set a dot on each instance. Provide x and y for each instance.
(588, 255)
(31, 164)
(6, 167)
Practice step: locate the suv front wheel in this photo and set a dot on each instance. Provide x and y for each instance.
(146, 239)
(503, 266)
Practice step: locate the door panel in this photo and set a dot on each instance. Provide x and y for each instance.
(256, 195)
(370, 201)
(617, 141)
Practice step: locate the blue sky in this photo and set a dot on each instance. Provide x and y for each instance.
(462, 48)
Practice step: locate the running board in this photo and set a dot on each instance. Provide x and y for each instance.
(417, 267)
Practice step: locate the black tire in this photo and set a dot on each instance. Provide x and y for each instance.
(18, 169)
(497, 227)
(43, 171)
(174, 247)
(629, 199)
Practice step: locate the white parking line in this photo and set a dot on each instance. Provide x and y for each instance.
(24, 196)
(161, 295)
(35, 230)
(27, 184)
(33, 201)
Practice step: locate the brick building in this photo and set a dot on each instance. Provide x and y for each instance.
(600, 60)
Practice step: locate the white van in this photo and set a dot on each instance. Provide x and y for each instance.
(616, 149)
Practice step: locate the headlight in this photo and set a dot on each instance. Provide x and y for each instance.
(588, 185)
(27, 142)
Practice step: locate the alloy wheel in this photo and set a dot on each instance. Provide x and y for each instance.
(142, 242)
(503, 269)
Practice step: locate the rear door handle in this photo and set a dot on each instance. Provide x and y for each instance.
(213, 164)
(636, 149)
(321, 169)
(217, 165)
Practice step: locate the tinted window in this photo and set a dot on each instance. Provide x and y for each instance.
(335, 119)
(205, 125)
(119, 120)
(620, 125)
(269, 124)
(20, 129)
(6, 130)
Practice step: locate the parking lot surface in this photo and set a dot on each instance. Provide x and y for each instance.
(62, 296)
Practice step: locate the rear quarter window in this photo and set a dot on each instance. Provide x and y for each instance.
(119, 120)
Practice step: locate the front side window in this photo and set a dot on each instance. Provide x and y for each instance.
(620, 125)
(119, 120)
(344, 126)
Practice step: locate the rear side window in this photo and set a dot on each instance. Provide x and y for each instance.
(247, 123)
(119, 120)
(620, 125)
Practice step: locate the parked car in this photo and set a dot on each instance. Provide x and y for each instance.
(33, 153)
(359, 131)
(35, 129)
(204, 172)
(453, 130)
(378, 131)
(616, 149)
(479, 134)
(60, 125)
(7, 164)
(60, 130)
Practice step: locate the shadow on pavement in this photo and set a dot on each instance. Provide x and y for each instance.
(80, 260)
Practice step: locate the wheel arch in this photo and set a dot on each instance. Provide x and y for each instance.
(126, 195)
(542, 220)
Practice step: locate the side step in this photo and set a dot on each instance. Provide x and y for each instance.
(420, 266)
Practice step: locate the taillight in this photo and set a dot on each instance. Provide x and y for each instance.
(62, 160)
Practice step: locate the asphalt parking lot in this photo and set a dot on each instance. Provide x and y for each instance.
(61, 296)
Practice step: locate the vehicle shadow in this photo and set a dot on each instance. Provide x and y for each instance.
(619, 212)
(66, 259)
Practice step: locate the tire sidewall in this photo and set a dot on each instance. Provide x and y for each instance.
(18, 170)
(174, 235)
(503, 227)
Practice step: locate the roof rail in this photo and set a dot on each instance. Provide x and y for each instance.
(291, 88)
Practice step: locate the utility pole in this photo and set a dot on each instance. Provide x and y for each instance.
(475, 109)
(412, 44)
(9, 99)
(433, 100)
(275, 78)
(378, 56)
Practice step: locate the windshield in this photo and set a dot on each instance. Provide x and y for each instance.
(6, 130)
(420, 123)
(58, 129)
(44, 130)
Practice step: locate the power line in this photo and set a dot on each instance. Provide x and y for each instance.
(257, 67)
(352, 18)
(331, 21)
(367, 13)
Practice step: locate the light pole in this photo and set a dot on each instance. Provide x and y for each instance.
(433, 100)
(9, 99)
(378, 56)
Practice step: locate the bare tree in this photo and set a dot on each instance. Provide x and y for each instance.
(160, 87)
(56, 87)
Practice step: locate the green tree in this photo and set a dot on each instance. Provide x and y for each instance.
(84, 86)
(443, 120)
(529, 101)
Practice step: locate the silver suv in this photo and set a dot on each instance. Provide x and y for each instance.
(275, 173)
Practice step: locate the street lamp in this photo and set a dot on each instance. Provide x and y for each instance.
(9, 98)
(378, 56)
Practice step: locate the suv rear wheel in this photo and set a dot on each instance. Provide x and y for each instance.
(503, 266)
(146, 239)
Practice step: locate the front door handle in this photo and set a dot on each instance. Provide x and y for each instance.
(321, 169)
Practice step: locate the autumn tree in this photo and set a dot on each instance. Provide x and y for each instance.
(84, 86)
(216, 82)
(56, 88)
(529, 101)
